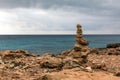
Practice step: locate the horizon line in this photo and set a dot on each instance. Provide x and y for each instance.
(58, 34)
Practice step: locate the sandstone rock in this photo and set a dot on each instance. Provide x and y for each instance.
(78, 54)
(77, 47)
(99, 66)
(75, 54)
(70, 63)
(52, 63)
(82, 41)
(8, 54)
(65, 53)
(71, 67)
(20, 51)
(48, 55)
(45, 77)
(79, 30)
(82, 75)
(94, 51)
(81, 45)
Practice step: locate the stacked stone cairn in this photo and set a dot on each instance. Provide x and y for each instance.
(81, 46)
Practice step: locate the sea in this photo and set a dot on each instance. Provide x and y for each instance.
(55, 44)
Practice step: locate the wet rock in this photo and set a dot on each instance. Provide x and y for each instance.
(114, 45)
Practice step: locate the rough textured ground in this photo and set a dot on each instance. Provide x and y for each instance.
(111, 63)
(82, 75)
(100, 64)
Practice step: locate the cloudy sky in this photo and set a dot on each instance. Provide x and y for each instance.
(59, 16)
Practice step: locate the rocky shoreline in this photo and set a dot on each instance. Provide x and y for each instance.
(80, 63)
(99, 64)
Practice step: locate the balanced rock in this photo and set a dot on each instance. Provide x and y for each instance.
(81, 47)
(79, 30)
(81, 42)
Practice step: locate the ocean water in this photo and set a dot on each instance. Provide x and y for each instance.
(41, 44)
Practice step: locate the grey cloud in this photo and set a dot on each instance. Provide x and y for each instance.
(91, 7)
(63, 15)
(44, 3)
(53, 3)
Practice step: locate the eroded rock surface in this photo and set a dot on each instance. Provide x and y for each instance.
(21, 65)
